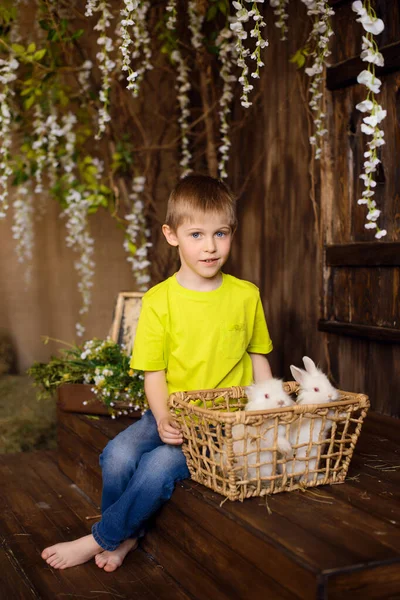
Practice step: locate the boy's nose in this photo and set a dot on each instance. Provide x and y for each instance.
(210, 246)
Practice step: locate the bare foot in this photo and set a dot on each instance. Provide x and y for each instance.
(110, 561)
(70, 554)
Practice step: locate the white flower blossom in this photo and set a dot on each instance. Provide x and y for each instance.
(137, 242)
(243, 15)
(7, 75)
(227, 56)
(196, 19)
(105, 63)
(135, 15)
(370, 125)
(319, 38)
(183, 87)
(280, 11)
(171, 9)
(23, 228)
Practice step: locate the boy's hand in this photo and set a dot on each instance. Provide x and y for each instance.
(169, 431)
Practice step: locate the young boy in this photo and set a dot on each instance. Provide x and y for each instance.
(199, 329)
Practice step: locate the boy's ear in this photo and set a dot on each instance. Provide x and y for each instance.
(170, 235)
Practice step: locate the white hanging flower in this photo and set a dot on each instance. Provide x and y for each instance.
(280, 11)
(319, 38)
(54, 132)
(135, 15)
(196, 19)
(227, 56)
(7, 75)
(78, 234)
(105, 63)
(171, 9)
(23, 228)
(243, 15)
(183, 87)
(137, 242)
(84, 75)
(370, 126)
(39, 144)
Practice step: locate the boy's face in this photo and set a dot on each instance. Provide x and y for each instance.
(204, 243)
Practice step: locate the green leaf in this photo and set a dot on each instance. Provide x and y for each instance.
(39, 54)
(27, 91)
(45, 25)
(212, 12)
(18, 49)
(31, 48)
(132, 248)
(77, 34)
(29, 102)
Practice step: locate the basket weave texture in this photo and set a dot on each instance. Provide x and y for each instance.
(238, 453)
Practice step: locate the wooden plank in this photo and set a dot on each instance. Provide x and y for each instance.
(248, 543)
(86, 479)
(369, 332)
(382, 425)
(217, 558)
(13, 581)
(95, 432)
(345, 74)
(363, 254)
(378, 582)
(292, 538)
(32, 509)
(140, 578)
(196, 580)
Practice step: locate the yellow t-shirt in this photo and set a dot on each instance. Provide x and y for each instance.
(201, 339)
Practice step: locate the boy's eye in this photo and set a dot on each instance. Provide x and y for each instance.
(195, 235)
(220, 234)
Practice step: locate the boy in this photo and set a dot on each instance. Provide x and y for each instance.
(199, 329)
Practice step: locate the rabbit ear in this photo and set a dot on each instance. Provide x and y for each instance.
(297, 373)
(310, 365)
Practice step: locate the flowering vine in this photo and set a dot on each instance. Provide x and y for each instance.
(137, 242)
(183, 87)
(280, 11)
(106, 65)
(172, 14)
(227, 56)
(242, 16)
(141, 46)
(39, 146)
(374, 112)
(7, 75)
(319, 39)
(196, 19)
(23, 228)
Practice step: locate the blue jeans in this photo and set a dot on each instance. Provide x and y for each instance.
(139, 475)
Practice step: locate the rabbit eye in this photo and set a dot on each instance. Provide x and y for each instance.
(266, 395)
(316, 389)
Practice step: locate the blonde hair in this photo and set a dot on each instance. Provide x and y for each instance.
(199, 193)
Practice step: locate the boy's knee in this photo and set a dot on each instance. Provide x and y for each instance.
(167, 464)
(116, 459)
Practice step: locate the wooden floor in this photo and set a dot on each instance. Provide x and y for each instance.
(334, 542)
(40, 506)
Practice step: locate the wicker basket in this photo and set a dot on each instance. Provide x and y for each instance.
(235, 453)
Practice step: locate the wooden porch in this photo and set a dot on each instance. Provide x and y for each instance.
(335, 542)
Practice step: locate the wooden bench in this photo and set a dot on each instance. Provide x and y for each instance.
(334, 542)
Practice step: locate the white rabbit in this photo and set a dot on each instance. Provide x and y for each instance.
(315, 388)
(262, 396)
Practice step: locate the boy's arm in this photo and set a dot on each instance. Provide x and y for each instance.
(155, 387)
(261, 369)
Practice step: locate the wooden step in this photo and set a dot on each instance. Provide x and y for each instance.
(333, 542)
(40, 506)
